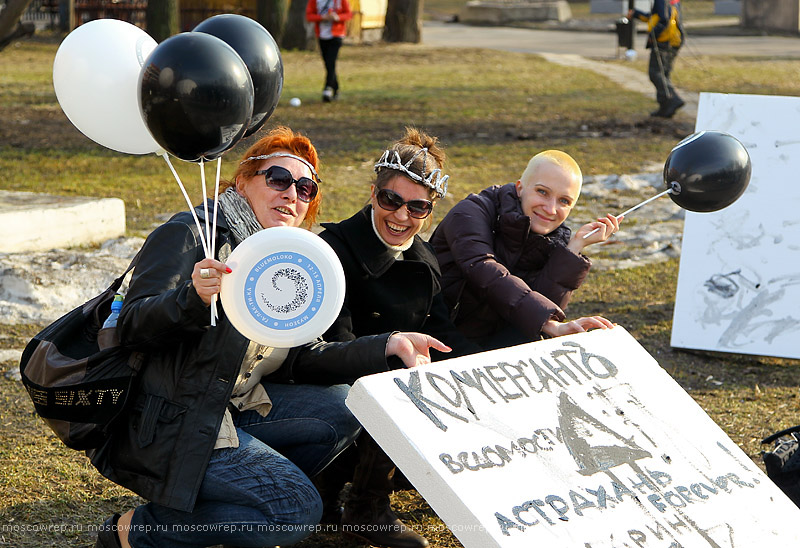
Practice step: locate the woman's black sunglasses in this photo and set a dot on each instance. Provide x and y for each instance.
(279, 178)
(392, 201)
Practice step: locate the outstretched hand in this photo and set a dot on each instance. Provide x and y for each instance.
(413, 348)
(557, 329)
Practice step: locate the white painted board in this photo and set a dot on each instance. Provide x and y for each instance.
(580, 441)
(739, 279)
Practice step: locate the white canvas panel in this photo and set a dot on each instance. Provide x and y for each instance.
(739, 279)
(579, 441)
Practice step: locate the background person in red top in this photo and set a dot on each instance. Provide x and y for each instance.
(329, 17)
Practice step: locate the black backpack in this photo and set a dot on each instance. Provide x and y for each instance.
(79, 377)
(783, 462)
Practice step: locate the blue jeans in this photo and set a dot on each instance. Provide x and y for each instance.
(260, 494)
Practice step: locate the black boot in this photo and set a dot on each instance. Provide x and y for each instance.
(329, 487)
(330, 483)
(107, 534)
(368, 516)
(672, 106)
(401, 482)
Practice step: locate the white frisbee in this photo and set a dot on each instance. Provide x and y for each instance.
(286, 289)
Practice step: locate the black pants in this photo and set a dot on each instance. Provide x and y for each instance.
(662, 57)
(330, 51)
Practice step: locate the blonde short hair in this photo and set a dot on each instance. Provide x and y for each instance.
(555, 157)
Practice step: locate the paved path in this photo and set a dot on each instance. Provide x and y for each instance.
(600, 45)
(588, 50)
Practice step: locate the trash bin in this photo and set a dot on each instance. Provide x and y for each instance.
(625, 33)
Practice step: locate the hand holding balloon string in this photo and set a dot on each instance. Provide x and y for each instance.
(674, 188)
(707, 171)
(207, 279)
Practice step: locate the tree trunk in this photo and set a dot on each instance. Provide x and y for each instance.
(66, 15)
(297, 34)
(163, 19)
(403, 21)
(272, 14)
(10, 27)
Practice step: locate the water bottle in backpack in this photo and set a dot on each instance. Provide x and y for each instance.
(116, 306)
(107, 336)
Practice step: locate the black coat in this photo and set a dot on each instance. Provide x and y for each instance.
(384, 294)
(497, 272)
(160, 448)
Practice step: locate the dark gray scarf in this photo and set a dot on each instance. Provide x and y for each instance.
(239, 215)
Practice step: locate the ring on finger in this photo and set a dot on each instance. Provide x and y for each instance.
(205, 273)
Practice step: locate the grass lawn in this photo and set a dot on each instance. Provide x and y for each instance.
(492, 111)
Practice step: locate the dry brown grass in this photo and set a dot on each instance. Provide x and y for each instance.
(490, 126)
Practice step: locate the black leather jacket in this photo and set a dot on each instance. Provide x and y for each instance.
(160, 448)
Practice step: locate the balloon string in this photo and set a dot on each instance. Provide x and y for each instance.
(214, 314)
(216, 203)
(210, 251)
(634, 208)
(189, 202)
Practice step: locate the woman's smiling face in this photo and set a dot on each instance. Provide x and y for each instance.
(397, 227)
(273, 207)
(548, 196)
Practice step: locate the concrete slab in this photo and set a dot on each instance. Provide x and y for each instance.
(617, 6)
(727, 7)
(38, 222)
(488, 12)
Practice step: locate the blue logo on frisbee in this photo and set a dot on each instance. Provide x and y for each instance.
(284, 290)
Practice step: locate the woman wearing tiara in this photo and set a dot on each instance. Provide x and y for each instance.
(392, 285)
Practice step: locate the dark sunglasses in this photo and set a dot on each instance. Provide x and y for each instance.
(392, 201)
(279, 178)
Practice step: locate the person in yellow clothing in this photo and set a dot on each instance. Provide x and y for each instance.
(665, 39)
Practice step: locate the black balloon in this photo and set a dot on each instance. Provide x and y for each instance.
(711, 169)
(196, 96)
(260, 53)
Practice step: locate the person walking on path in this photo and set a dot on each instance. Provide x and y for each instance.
(664, 40)
(329, 17)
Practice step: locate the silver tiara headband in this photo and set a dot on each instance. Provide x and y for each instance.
(284, 155)
(390, 159)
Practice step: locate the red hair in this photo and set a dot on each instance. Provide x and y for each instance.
(279, 139)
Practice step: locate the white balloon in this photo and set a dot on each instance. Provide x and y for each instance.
(96, 78)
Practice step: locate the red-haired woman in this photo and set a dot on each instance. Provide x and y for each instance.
(224, 435)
